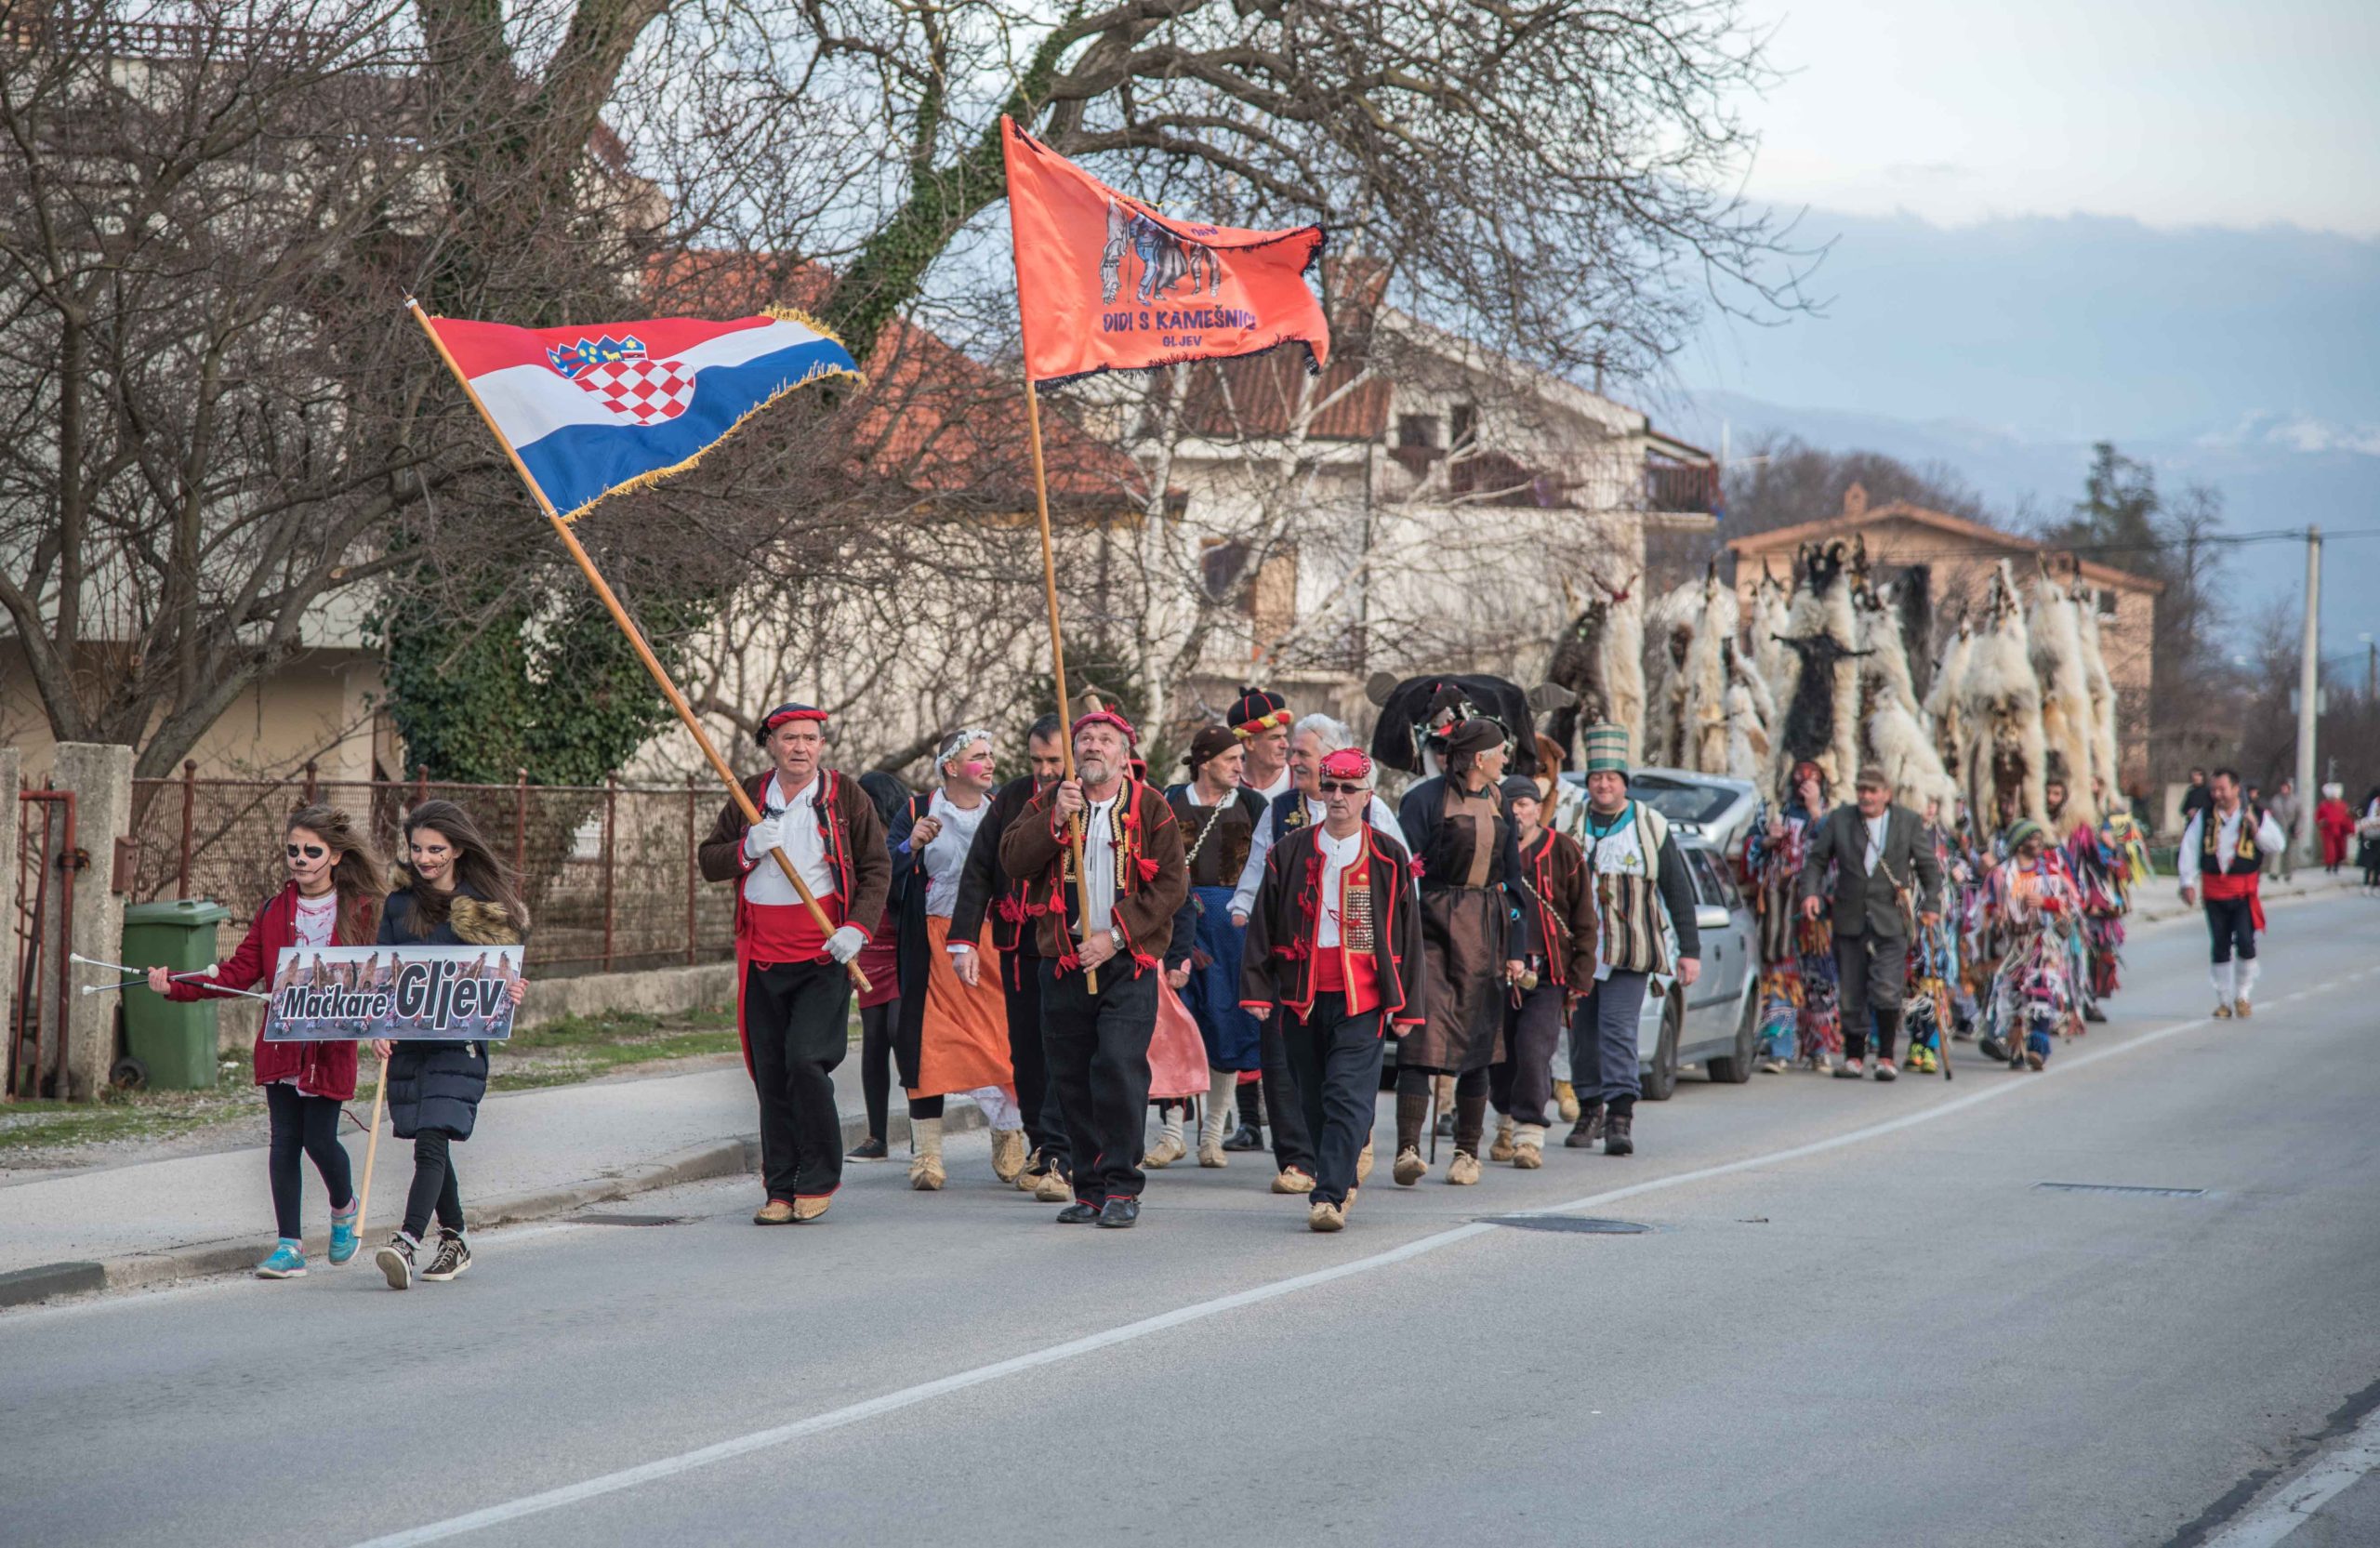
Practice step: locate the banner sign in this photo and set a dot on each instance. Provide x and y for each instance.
(410, 993)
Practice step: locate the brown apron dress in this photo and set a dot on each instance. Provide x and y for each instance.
(1463, 950)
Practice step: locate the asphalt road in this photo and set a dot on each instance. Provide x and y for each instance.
(1858, 1318)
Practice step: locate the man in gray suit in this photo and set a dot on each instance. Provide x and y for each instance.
(1884, 873)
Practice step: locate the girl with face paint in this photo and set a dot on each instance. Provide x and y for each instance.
(952, 1038)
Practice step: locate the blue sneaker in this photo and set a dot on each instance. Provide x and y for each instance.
(343, 1236)
(286, 1262)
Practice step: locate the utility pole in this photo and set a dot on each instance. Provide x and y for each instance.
(2308, 683)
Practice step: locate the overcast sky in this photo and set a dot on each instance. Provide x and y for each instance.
(2174, 112)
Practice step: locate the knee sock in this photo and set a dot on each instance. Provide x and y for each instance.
(2247, 969)
(1470, 1118)
(2219, 974)
(1169, 1115)
(1412, 1107)
(1220, 1085)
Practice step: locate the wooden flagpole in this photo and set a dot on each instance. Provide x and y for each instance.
(1057, 641)
(371, 1154)
(644, 652)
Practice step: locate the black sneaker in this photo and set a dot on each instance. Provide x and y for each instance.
(1247, 1137)
(870, 1149)
(396, 1261)
(454, 1256)
(1118, 1212)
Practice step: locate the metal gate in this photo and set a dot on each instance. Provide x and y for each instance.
(46, 861)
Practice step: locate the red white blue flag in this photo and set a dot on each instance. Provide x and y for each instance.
(593, 410)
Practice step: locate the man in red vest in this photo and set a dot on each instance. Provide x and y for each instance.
(2222, 854)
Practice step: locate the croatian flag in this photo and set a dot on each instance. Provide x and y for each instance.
(595, 409)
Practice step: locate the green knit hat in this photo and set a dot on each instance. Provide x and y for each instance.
(1607, 748)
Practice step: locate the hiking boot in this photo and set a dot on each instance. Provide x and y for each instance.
(1618, 1139)
(1587, 1131)
(868, 1149)
(1323, 1215)
(1502, 1150)
(1566, 1100)
(396, 1261)
(776, 1212)
(1464, 1170)
(1007, 1154)
(1292, 1180)
(1409, 1168)
(286, 1261)
(454, 1256)
(1167, 1150)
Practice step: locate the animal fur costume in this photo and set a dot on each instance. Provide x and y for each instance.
(1942, 701)
(1772, 613)
(1623, 657)
(1670, 623)
(1749, 713)
(1819, 712)
(1578, 664)
(1896, 733)
(2104, 757)
(2002, 746)
(2067, 721)
(1702, 713)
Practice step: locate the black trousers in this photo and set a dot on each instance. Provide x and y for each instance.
(876, 1022)
(1874, 974)
(304, 1125)
(1336, 1059)
(796, 1028)
(1523, 1084)
(434, 1184)
(1285, 1099)
(1036, 1094)
(2231, 929)
(1098, 1049)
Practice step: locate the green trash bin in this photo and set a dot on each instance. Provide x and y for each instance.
(174, 1041)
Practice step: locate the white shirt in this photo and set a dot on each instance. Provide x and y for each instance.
(1337, 855)
(946, 855)
(1260, 844)
(2269, 838)
(316, 919)
(1877, 826)
(1098, 867)
(764, 883)
(1280, 783)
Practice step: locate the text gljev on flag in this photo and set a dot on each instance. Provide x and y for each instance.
(1105, 282)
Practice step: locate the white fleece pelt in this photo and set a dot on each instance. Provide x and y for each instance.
(2104, 753)
(2065, 695)
(2000, 712)
(1623, 668)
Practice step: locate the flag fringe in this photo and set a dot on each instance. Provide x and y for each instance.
(651, 476)
(1313, 363)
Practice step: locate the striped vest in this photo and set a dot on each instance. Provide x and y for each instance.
(1628, 899)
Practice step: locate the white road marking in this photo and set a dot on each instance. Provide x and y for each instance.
(2288, 1507)
(892, 1402)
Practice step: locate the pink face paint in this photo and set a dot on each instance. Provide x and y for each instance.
(977, 768)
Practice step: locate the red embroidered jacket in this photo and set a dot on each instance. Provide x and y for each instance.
(1151, 877)
(1276, 964)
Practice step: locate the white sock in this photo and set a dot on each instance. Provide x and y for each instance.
(1223, 1096)
(1000, 1106)
(2247, 978)
(2219, 974)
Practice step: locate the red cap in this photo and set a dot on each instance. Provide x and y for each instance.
(1347, 764)
(1107, 717)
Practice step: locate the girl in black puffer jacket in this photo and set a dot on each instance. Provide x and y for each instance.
(456, 893)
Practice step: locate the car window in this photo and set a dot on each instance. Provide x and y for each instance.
(1710, 883)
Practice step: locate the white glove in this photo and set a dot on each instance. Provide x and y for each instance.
(844, 944)
(763, 836)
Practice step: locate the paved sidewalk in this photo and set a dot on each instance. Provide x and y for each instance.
(535, 1154)
(2159, 901)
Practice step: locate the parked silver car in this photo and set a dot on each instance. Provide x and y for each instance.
(1716, 1022)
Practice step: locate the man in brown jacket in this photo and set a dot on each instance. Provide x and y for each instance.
(793, 992)
(1114, 922)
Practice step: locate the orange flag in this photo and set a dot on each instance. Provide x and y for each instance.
(1107, 284)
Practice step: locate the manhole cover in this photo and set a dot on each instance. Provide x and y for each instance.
(627, 1220)
(1580, 1225)
(2123, 1188)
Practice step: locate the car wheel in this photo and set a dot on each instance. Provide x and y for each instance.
(1735, 1068)
(1661, 1079)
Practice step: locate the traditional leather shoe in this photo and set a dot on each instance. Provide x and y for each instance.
(1409, 1167)
(1082, 1211)
(1007, 1154)
(1363, 1167)
(807, 1210)
(1167, 1150)
(1119, 1212)
(1566, 1100)
(1502, 1150)
(776, 1212)
(1055, 1187)
(1292, 1181)
(1527, 1157)
(1211, 1154)
(2241, 1008)
(1246, 1137)
(1464, 1170)
(1323, 1215)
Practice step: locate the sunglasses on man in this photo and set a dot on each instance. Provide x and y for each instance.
(312, 852)
(1338, 787)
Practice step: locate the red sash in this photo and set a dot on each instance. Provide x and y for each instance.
(2223, 889)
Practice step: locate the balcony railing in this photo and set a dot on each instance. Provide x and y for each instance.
(1691, 488)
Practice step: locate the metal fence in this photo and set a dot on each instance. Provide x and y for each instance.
(608, 870)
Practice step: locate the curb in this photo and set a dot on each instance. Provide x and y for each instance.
(701, 1163)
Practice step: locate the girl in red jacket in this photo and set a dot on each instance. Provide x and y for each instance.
(333, 898)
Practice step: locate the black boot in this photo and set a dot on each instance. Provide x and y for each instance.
(1617, 1140)
(1250, 1134)
(1588, 1129)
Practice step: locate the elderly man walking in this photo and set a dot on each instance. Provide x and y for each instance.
(1886, 879)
